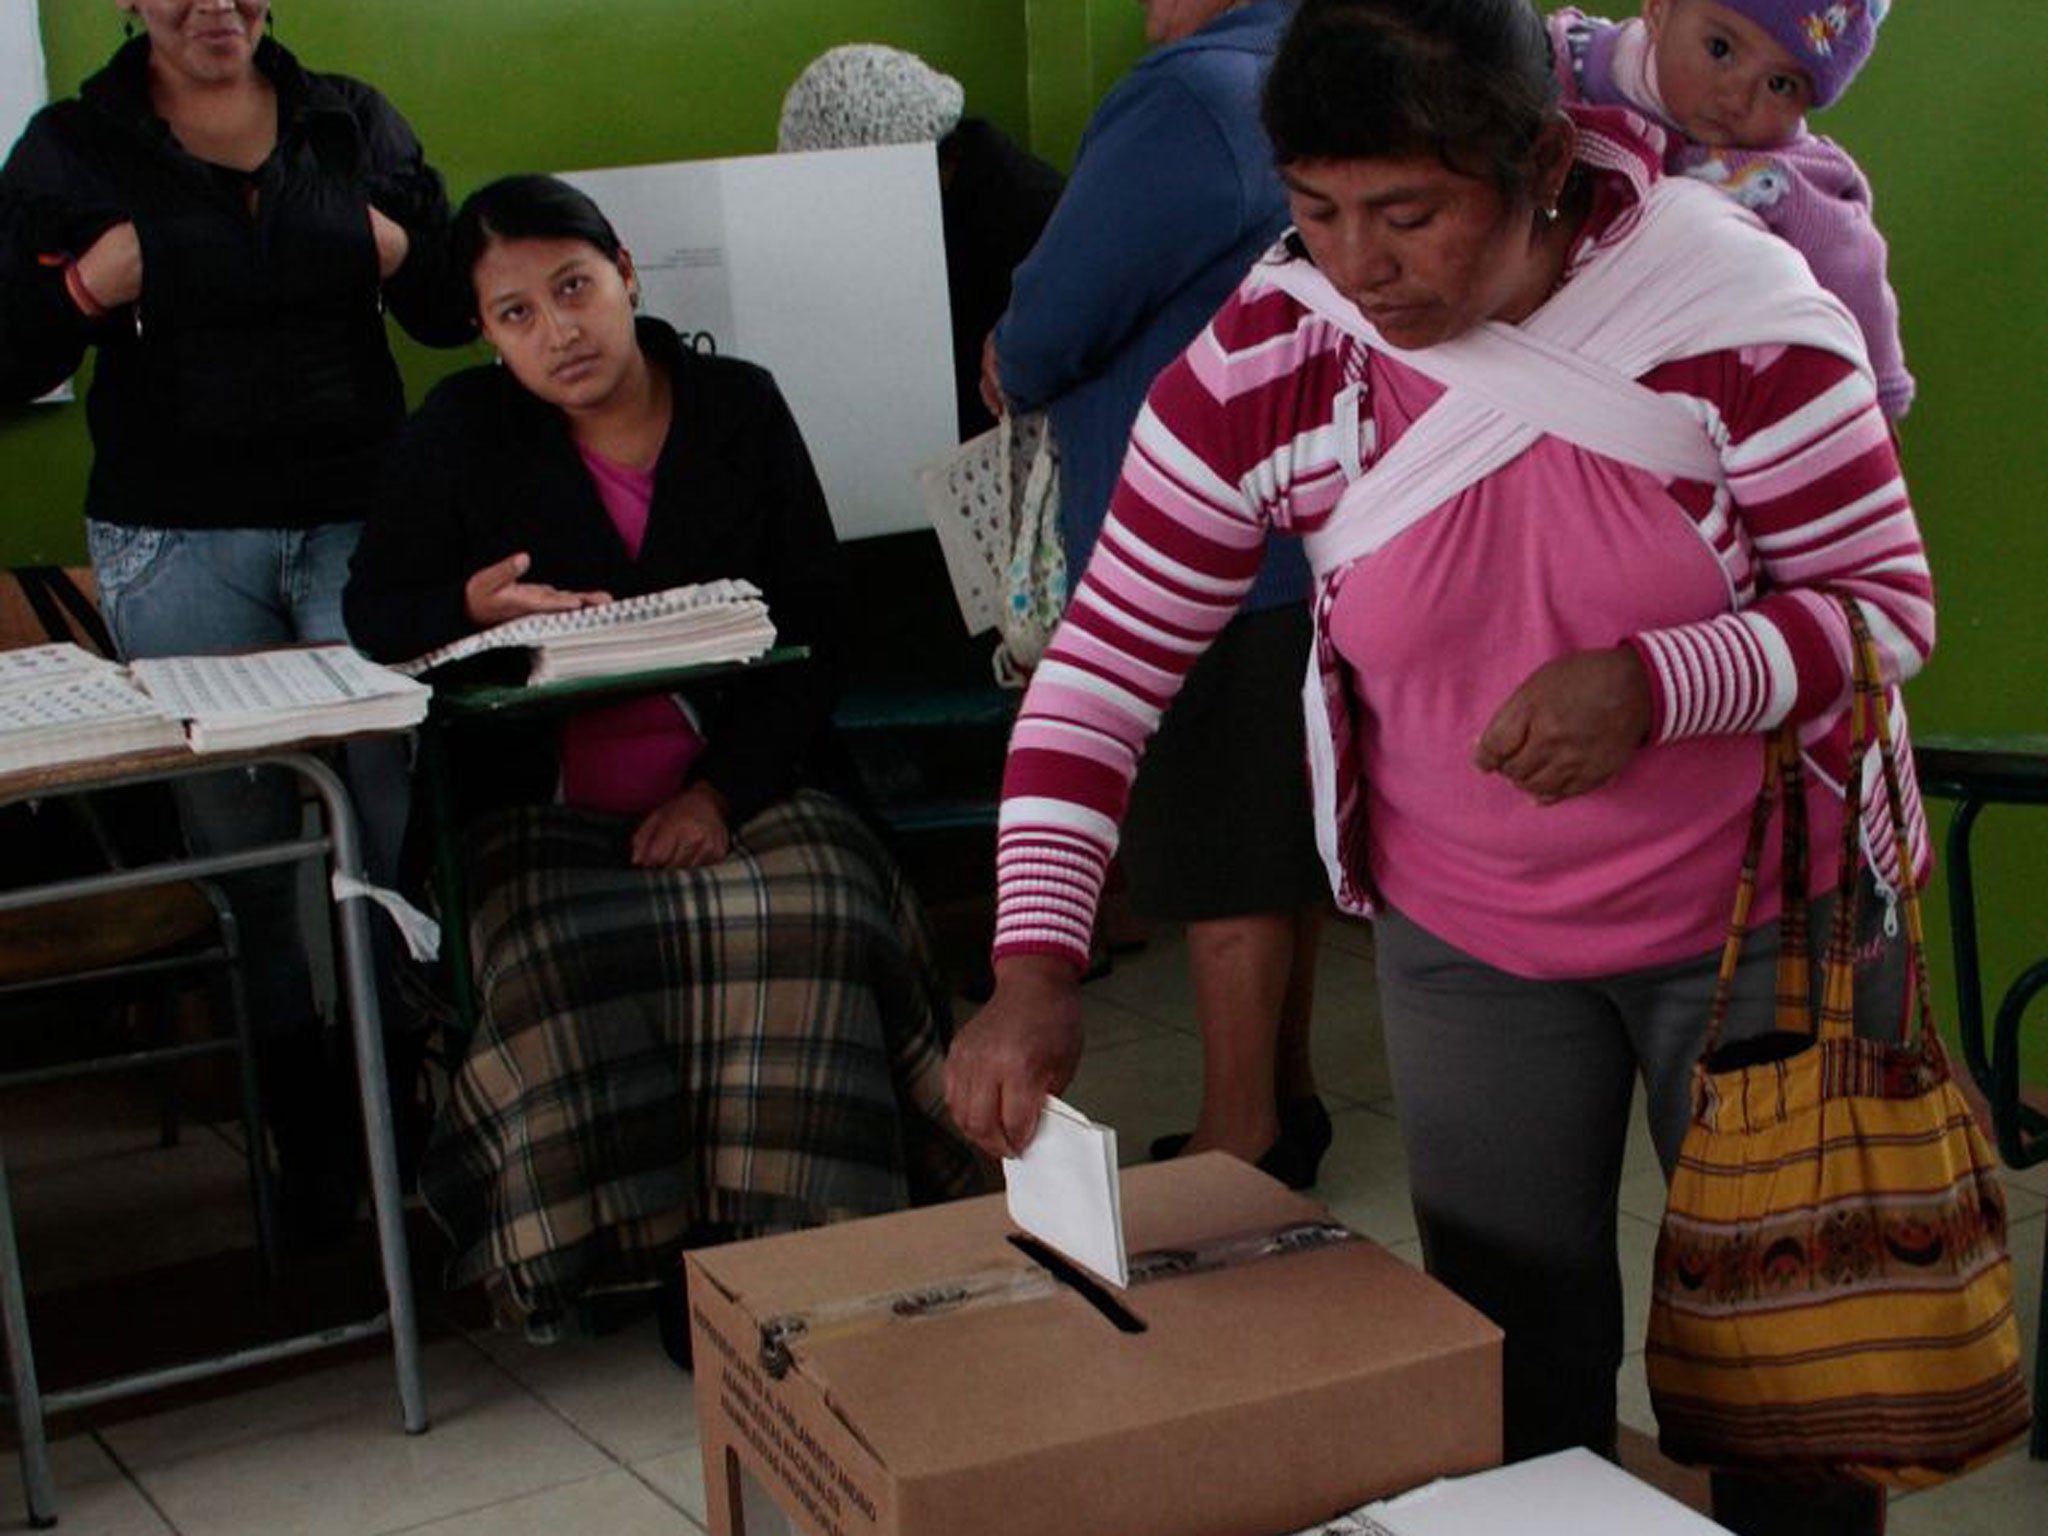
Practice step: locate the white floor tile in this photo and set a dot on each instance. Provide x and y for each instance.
(1106, 1023)
(1632, 1393)
(1638, 1248)
(680, 1477)
(93, 1497)
(1353, 935)
(619, 1389)
(1144, 1087)
(323, 1454)
(1346, 1040)
(1364, 1180)
(615, 1503)
(1152, 989)
(1642, 1176)
(1153, 981)
(2034, 1179)
(2025, 1238)
(2007, 1498)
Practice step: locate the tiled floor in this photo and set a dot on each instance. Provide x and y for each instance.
(597, 1435)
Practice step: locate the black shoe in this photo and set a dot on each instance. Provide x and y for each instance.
(1305, 1134)
(1165, 1149)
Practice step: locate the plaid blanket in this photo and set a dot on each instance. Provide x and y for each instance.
(752, 1046)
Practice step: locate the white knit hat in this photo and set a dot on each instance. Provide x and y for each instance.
(865, 93)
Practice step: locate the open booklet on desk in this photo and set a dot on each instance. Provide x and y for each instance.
(62, 704)
(711, 621)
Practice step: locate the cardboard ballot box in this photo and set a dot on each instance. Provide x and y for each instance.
(920, 1374)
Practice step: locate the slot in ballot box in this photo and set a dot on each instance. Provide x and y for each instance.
(929, 1373)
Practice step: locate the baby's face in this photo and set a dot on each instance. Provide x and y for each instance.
(1726, 82)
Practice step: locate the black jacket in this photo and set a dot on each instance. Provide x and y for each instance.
(484, 470)
(252, 385)
(994, 200)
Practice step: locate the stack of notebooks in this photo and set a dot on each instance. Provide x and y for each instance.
(60, 704)
(715, 621)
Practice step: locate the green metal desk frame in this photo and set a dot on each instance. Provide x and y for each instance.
(1975, 772)
(337, 850)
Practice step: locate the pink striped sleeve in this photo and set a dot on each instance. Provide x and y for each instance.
(1817, 494)
(1179, 549)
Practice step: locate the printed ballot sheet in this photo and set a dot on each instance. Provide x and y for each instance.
(1568, 1493)
(260, 698)
(264, 682)
(1065, 1191)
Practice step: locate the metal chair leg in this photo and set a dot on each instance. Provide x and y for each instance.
(36, 1477)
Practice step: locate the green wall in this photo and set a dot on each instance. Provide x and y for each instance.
(502, 85)
(1945, 119)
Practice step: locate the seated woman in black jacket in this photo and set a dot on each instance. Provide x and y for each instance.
(707, 1006)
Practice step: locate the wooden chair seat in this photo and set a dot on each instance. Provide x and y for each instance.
(94, 932)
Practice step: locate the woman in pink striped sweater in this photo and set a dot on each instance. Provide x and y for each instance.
(1582, 460)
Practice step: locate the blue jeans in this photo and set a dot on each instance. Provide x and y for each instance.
(191, 592)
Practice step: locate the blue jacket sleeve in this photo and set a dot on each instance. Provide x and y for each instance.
(1155, 200)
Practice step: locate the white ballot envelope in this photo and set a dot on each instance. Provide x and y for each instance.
(1568, 1493)
(1064, 1191)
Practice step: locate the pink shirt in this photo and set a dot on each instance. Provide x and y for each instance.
(1726, 591)
(626, 758)
(1558, 552)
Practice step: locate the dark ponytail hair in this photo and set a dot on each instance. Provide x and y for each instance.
(1468, 81)
(527, 207)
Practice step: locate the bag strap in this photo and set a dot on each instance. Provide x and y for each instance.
(1871, 687)
(1785, 780)
(54, 596)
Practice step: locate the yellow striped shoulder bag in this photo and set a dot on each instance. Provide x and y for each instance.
(1832, 1295)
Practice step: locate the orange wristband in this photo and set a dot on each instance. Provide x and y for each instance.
(81, 295)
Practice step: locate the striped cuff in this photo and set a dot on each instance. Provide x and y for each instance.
(1726, 677)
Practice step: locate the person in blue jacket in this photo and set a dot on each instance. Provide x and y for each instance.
(1173, 195)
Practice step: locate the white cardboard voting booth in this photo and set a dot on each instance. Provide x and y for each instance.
(829, 270)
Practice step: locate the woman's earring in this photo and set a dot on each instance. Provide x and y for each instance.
(1550, 214)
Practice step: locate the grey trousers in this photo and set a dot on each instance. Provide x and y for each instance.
(1514, 1100)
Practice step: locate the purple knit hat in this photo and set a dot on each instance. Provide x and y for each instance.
(1829, 38)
